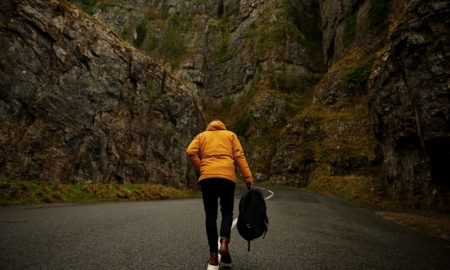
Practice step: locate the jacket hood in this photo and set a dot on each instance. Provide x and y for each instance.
(216, 125)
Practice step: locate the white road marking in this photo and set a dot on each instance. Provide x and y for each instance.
(234, 223)
(270, 191)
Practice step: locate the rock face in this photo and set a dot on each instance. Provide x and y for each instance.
(410, 106)
(333, 14)
(220, 47)
(244, 60)
(263, 40)
(346, 21)
(319, 91)
(77, 104)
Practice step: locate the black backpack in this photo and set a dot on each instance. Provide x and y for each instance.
(252, 221)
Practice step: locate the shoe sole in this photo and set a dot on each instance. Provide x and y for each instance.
(226, 265)
(212, 267)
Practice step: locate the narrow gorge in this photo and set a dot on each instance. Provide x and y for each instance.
(350, 97)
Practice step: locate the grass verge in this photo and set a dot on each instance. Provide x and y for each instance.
(364, 190)
(359, 189)
(17, 192)
(434, 225)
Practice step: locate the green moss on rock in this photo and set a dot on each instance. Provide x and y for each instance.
(349, 29)
(172, 45)
(87, 6)
(378, 12)
(358, 77)
(141, 32)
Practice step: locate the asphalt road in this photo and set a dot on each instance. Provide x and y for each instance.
(307, 231)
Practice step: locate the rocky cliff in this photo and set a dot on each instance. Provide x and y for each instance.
(220, 46)
(78, 104)
(410, 105)
(346, 95)
(252, 62)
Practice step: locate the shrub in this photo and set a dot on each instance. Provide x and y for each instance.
(88, 6)
(124, 34)
(222, 51)
(378, 13)
(357, 78)
(141, 32)
(242, 123)
(227, 102)
(285, 82)
(349, 29)
(149, 89)
(172, 44)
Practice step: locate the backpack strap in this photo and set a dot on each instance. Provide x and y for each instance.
(267, 228)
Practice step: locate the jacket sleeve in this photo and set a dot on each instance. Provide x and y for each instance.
(193, 152)
(239, 158)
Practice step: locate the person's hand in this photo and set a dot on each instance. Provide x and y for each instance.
(249, 185)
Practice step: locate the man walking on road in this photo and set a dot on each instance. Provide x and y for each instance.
(214, 154)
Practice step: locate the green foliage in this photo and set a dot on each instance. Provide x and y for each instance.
(304, 16)
(356, 188)
(303, 23)
(149, 89)
(289, 82)
(227, 102)
(349, 29)
(242, 123)
(295, 16)
(151, 43)
(275, 27)
(265, 35)
(13, 192)
(378, 12)
(124, 34)
(141, 32)
(88, 6)
(104, 6)
(222, 51)
(231, 7)
(172, 45)
(357, 78)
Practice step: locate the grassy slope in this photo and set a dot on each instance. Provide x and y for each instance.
(16, 192)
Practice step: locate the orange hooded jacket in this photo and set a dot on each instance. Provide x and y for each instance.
(215, 151)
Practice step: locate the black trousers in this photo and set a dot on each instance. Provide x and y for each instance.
(212, 190)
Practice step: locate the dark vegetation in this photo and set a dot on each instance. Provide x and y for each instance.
(379, 10)
(222, 52)
(87, 5)
(358, 77)
(304, 15)
(141, 33)
(171, 46)
(349, 28)
(14, 192)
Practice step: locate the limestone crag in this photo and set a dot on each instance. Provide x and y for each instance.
(344, 21)
(256, 45)
(267, 115)
(410, 97)
(229, 53)
(328, 94)
(77, 104)
(220, 47)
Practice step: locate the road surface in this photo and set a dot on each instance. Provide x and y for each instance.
(307, 231)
